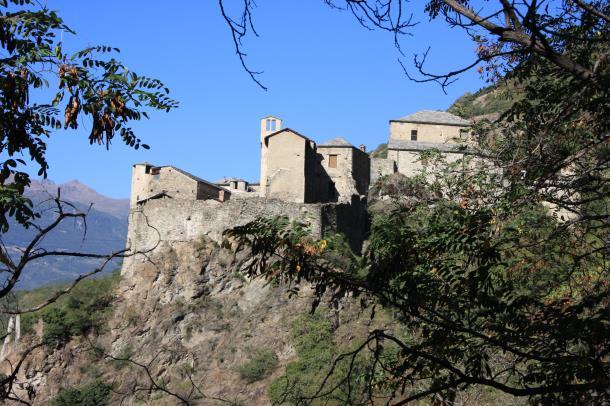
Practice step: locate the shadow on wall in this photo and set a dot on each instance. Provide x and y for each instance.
(321, 188)
(350, 219)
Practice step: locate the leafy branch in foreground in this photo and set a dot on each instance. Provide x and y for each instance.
(496, 265)
(88, 83)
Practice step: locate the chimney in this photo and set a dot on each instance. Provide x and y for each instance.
(362, 147)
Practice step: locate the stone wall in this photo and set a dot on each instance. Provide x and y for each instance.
(175, 183)
(425, 132)
(350, 176)
(285, 173)
(409, 163)
(381, 167)
(334, 184)
(207, 191)
(175, 220)
(361, 171)
(350, 219)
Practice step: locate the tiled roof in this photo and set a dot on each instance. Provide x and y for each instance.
(196, 178)
(336, 142)
(286, 130)
(406, 145)
(434, 117)
(227, 180)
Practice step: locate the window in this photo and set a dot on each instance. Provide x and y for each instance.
(413, 135)
(270, 124)
(332, 161)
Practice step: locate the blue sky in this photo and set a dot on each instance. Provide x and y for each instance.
(326, 75)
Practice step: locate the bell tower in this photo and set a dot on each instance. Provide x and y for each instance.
(269, 125)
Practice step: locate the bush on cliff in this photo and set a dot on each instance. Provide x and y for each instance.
(82, 310)
(95, 393)
(262, 362)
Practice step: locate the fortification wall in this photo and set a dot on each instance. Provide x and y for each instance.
(381, 167)
(176, 220)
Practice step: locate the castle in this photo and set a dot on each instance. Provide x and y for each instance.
(323, 185)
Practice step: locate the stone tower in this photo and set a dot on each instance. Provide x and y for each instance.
(140, 178)
(269, 125)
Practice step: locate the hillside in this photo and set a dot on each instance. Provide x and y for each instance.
(106, 231)
(488, 102)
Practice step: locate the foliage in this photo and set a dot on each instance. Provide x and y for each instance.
(499, 268)
(88, 83)
(123, 357)
(315, 375)
(95, 393)
(380, 152)
(262, 362)
(497, 99)
(82, 310)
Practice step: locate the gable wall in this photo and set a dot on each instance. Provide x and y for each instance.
(285, 172)
(176, 184)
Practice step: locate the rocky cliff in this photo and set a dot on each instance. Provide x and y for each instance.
(189, 319)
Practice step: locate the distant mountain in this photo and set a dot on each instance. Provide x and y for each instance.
(76, 192)
(105, 232)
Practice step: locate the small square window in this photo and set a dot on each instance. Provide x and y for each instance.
(332, 161)
(413, 135)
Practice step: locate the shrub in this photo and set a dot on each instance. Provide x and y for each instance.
(77, 313)
(56, 329)
(123, 356)
(262, 362)
(95, 393)
(312, 335)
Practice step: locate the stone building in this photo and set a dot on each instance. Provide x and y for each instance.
(288, 160)
(323, 185)
(423, 131)
(343, 171)
(294, 168)
(238, 187)
(154, 182)
(269, 125)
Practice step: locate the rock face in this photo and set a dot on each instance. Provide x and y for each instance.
(189, 315)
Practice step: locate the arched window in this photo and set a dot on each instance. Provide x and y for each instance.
(270, 124)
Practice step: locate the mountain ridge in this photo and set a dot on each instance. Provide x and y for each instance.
(77, 192)
(105, 231)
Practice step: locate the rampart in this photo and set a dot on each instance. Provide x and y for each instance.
(178, 220)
